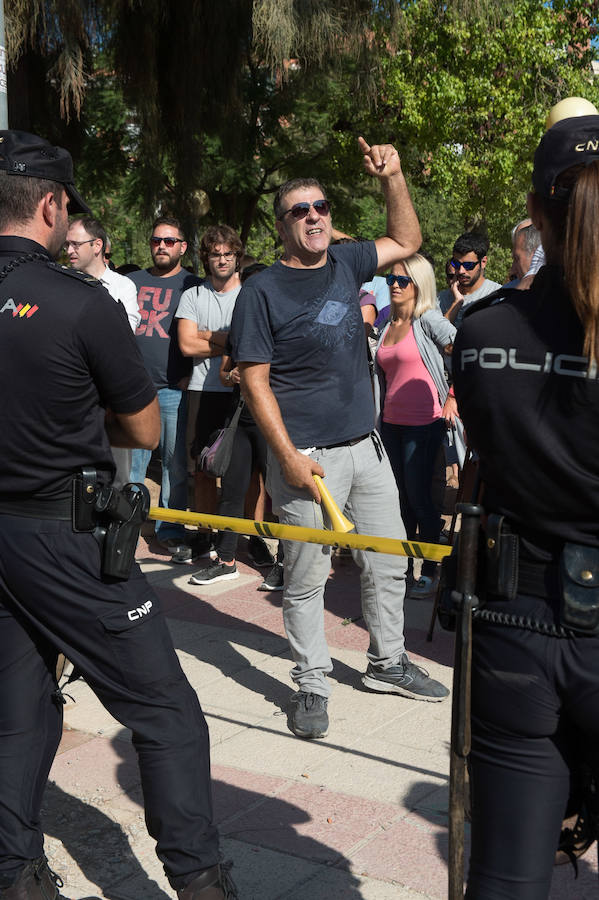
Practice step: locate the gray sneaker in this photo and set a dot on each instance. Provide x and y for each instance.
(406, 679)
(274, 580)
(307, 715)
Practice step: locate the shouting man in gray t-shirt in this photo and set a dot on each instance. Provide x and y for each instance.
(298, 338)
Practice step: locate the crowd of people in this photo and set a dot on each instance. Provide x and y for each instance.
(208, 356)
(314, 351)
(182, 323)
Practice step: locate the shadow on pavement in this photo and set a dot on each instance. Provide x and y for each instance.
(98, 845)
(101, 847)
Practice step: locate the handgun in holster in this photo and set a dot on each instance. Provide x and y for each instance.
(113, 516)
(121, 514)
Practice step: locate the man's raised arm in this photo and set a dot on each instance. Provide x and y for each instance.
(403, 236)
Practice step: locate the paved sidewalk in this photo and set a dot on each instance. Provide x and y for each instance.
(361, 814)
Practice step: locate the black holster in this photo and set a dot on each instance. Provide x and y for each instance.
(114, 516)
(498, 559)
(497, 570)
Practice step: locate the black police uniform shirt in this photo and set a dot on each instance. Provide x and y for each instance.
(530, 407)
(66, 353)
(158, 300)
(308, 325)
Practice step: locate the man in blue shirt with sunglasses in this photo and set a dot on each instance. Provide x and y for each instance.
(298, 336)
(468, 261)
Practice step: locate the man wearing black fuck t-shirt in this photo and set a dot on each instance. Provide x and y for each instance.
(79, 385)
(159, 290)
(298, 337)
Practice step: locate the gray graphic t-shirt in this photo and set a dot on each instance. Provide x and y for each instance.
(307, 324)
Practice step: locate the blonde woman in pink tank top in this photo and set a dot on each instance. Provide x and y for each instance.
(416, 408)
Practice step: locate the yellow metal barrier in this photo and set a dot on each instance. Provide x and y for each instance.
(417, 549)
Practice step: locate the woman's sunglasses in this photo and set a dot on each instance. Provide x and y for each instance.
(402, 280)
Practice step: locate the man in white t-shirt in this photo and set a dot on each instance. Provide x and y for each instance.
(204, 316)
(85, 247)
(468, 261)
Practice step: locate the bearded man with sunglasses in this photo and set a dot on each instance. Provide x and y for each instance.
(468, 262)
(159, 290)
(298, 337)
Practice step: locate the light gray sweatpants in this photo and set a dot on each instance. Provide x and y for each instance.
(362, 484)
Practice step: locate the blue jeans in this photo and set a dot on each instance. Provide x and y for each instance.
(412, 450)
(173, 490)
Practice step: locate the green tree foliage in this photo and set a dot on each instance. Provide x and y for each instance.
(470, 87)
(202, 110)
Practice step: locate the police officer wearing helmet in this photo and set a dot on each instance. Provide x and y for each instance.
(74, 382)
(526, 382)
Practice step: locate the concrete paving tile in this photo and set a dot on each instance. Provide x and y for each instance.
(380, 771)
(216, 654)
(182, 574)
(270, 744)
(355, 710)
(71, 738)
(141, 887)
(225, 725)
(237, 793)
(257, 645)
(311, 821)
(155, 568)
(408, 855)
(127, 809)
(440, 649)
(431, 811)
(222, 611)
(355, 713)
(564, 886)
(271, 619)
(98, 769)
(339, 610)
(87, 713)
(335, 884)
(186, 635)
(351, 637)
(85, 847)
(426, 726)
(254, 691)
(263, 874)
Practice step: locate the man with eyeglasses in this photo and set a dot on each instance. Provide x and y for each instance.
(159, 290)
(85, 248)
(298, 336)
(468, 261)
(203, 319)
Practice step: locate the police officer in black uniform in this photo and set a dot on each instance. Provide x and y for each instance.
(526, 381)
(72, 383)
